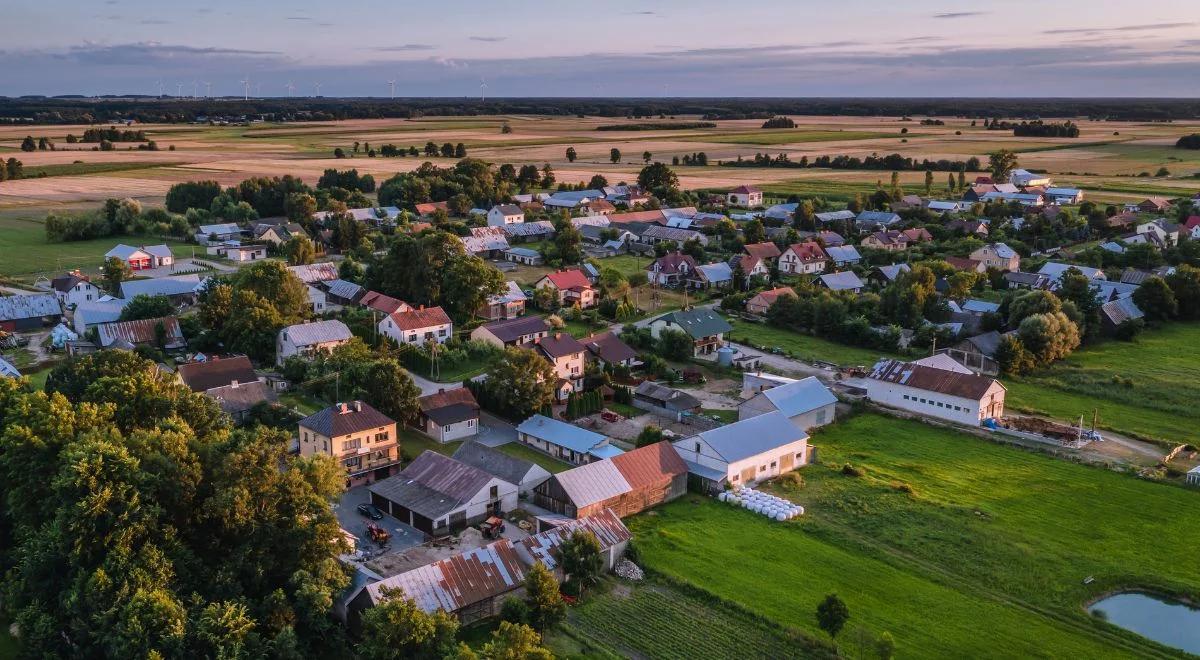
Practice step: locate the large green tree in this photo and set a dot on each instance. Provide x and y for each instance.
(546, 606)
(147, 307)
(521, 384)
(1156, 299)
(397, 629)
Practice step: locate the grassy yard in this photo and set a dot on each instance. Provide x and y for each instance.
(992, 544)
(413, 444)
(26, 251)
(1160, 403)
(797, 345)
(552, 465)
(305, 403)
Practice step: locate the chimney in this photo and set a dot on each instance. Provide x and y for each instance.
(358, 406)
(233, 384)
(441, 390)
(342, 410)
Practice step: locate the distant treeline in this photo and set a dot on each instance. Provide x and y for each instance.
(1035, 128)
(1189, 141)
(111, 134)
(657, 126)
(86, 110)
(891, 162)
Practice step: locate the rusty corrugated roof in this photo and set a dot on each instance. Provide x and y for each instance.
(606, 526)
(650, 465)
(459, 581)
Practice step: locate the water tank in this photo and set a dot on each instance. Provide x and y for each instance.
(725, 356)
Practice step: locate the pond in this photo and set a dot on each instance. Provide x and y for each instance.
(1167, 622)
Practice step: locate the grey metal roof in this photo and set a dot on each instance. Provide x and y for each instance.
(595, 482)
(891, 272)
(317, 332)
(524, 252)
(884, 218)
(37, 305)
(535, 228)
(802, 396)
(497, 463)
(843, 281)
(512, 293)
(174, 285)
(843, 253)
(561, 433)
(831, 216)
(434, 485)
(718, 272)
(677, 398)
(671, 233)
(753, 436)
(1054, 270)
(979, 306)
(1120, 310)
(100, 311)
(244, 396)
(7, 370)
(507, 330)
(344, 289)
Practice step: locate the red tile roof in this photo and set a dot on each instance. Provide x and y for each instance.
(416, 319)
(385, 304)
(426, 209)
(201, 376)
(560, 344)
(745, 190)
(808, 251)
(765, 250)
(669, 263)
(567, 279)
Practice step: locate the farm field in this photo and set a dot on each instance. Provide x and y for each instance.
(1158, 405)
(993, 543)
(1107, 157)
(801, 346)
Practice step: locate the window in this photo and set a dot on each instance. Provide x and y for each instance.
(412, 337)
(470, 423)
(442, 332)
(762, 468)
(735, 477)
(445, 429)
(324, 445)
(821, 416)
(355, 443)
(494, 492)
(353, 462)
(381, 437)
(697, 447)
(772, 465)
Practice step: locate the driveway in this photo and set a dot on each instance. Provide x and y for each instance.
(494, 431)
(403, 536)
(431, 387)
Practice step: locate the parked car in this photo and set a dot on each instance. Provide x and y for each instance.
(371, 511)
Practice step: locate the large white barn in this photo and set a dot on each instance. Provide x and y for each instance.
(951, 395)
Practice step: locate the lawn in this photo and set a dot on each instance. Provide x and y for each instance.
(26, 251)
(302, 402)
(1160, 403)
(787, 136)
(414, 443)
(993, 544)
(801, 346)
(552, 465)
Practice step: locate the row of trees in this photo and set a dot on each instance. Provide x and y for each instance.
(11, 169)
(118, 217)
(895, 162)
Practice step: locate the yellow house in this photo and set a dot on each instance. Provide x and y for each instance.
(358, 436)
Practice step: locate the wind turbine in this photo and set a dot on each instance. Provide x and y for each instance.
(290, 88)
(246, 82)
(318, 86)
(195, 89)
(392, 88)
(258, 89)
(207, 89)
(482, 90)
(178, 90)
(160, 89)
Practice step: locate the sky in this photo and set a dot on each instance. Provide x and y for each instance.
(622, 48)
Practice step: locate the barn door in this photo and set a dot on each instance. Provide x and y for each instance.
(748, 475)
(787, 462)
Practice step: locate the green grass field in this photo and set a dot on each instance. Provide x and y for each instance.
(552, 465)
(1160, 405)
(985, 558)
(797, 345)
(67, 169)
(788, 136)
(25, 250)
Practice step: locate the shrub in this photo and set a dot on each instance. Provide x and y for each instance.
(792, 480)
(852, 471)
(902, 487)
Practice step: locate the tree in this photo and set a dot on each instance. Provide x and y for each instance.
(832, 615)
(658, 177)
(299, 251)
(547, 176)
(1001, 163)
(546, 606)
(251, 326)
(514, 641)
(675, 345)
(597, 182)
(272, 281)
(29, 144)
(390, 389)
(147, 307)
(521, 384)
(571, 155)
(397, 628)
(1156, 299)
(885, 646)
(754, 232)
(649, 435)
(115, 272)
(569, 242)
(1076, 287)
(614, 155)
(646, 156)
(1185, 284)
(928, 182)
(805, 217)
(581, 558)
(1049, 337)
(192, 195)
(514, 610)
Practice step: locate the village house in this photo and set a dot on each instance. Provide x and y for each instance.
(359, 437)
(976, 228)
(162, 333)
(231, 381)
(565, 355)
(313, 273)
(179, 289)
(670, 269)
(658, 234)
(74, 288)
(807, 403)
(381, 303)
(1027, 281)
(607, 348)
(745, 196)
(966, 265)
(526, 475)
(508, 304)
(803, 259)
(440, 496)
(519, 331)
(597, 208)
(486, 242)
(882, 276)
(144, 257)
(1024, 178)
(706, 328)
(277, 233)
(762, 301)
(745, 452)
(998, 256)
(566, 442)
(238, 252)
(449, 414)
(527, 256)
(879, 220)
(963, 398)
(217, 233)
(89, 315)
(573, 288)
(307, 339)
(418, 326)
(843, 281)
(896, 240)
(716, 276)
(842, 256)
(427, 209)
(625, 485)
(1064, 195)
(505, 214)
